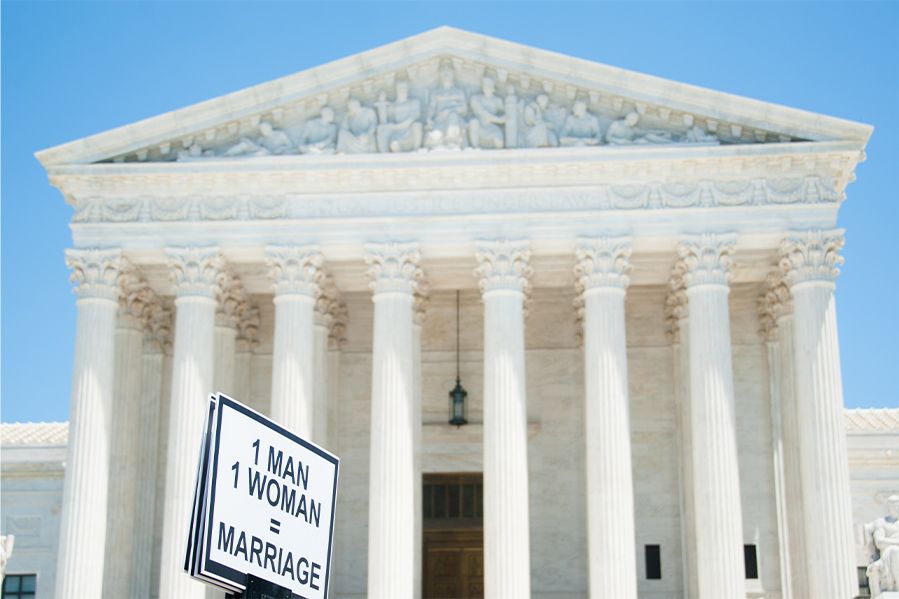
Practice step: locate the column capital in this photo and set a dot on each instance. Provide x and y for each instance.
(158, 328)
(705, 259)
(326, 302)
(195, 270)
(812, 256)
(393, 267)
(602, 262)
(774, 303)
(676, 307)
(95, 272)
(248, 322)
(420, 303)
(295, 269)
(503, 265)
(145, 307)
(232, 300)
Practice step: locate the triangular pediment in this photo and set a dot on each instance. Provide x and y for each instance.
(540, 100)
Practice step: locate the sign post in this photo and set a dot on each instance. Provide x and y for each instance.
(264, 515)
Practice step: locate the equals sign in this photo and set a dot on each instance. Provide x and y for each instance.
(275, 526)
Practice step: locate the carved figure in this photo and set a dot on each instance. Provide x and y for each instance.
(6, 544)
(446, 113)
(193, 152)
(624, 132)
(581, 128)
(400, 129)
(484, 130)
(357, 134)
(270, 141)
(539, 131)
(698, 135)
(882, 545)
(319, 134)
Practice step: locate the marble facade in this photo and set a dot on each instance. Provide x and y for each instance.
(647, 274)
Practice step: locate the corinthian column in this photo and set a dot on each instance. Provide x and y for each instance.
(231, 302)
(394, 272)
(810, 263)
(601, 272)
(296, 274)
(503, 273)
(195, 274)
(158, 325)
(324, 309)
(419, 308)
(124, 458)
(717, 511)
(82, 530)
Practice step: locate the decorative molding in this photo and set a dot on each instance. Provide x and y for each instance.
(421, 302)
(706, 258)
(602, 262)
(248, 323)
(393, 267)
(146, 309)
(295, 270)
(503, 265)
(141, 203)
(195, 270)
(812, 256)
(95, 273)
(773, 304)
(232, 300)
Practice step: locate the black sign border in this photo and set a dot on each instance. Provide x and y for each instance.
(227, 572)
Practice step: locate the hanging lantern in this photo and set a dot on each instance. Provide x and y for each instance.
(457, 407)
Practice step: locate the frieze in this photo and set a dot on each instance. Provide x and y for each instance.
(705, 194)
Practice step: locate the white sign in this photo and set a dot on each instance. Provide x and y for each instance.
(270, 504)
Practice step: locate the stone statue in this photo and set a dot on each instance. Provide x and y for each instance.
(6, 544)
(357, 134)
(882, 545)
(581, 128)
(400, 129)
(319, 134)
(446, 113)
(624, 132)
(698, 135)
(538, 130)
(271, 141)
(484, 130)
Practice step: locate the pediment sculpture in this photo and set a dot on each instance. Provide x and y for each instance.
(450, 115)
(882, 549)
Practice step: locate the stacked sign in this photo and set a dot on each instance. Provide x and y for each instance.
(263, 505)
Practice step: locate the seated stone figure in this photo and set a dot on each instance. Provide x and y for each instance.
(319, 134)
(400, 129)
(698, 135)
(446, 113)
(624, 132)
(538, 130)
(484, 131)
(270, 141)
(581, 128)
(882, 540)
(357, 134)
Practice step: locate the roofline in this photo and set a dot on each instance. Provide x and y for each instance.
(270, 94)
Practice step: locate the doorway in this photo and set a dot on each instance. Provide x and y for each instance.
(453, 536)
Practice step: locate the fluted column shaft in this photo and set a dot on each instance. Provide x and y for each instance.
(394, 273)
(718, 514)
(503, 273)
(418, 317)
(225, 366)
(295, 271)
(124, 459)
(82, 531)
(195, 273)
(811, 263)
(148, 450)
(602, 274)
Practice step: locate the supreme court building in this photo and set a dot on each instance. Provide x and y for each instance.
(646, 326)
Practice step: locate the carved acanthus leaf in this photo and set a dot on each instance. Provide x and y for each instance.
(503, 265)
(676, 308)
(603, 262)
(95, 272)
(232, 300)
(812, 256)
(295, 270)
(775, 303)
(195, 271)
(393, 267)
(706, 258)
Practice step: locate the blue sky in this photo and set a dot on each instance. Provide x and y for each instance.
(71, 69)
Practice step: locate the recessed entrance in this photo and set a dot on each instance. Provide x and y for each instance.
(453, 531)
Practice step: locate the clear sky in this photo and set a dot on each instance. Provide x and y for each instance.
(73, 69)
